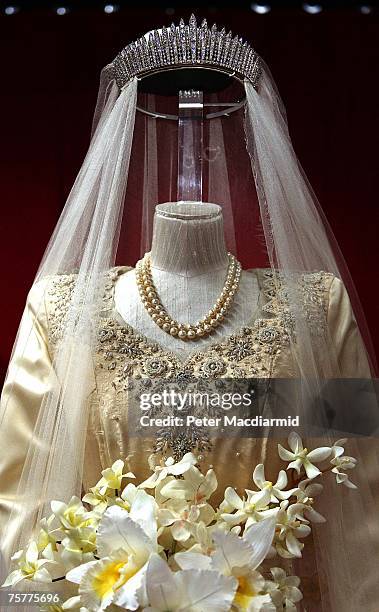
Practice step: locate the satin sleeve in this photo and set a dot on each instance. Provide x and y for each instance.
(29, 377)
(346, 339)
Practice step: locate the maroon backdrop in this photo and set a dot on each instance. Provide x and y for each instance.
(326, 69)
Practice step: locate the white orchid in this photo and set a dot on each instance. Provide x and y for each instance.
(73, 603)
(47, 534)
(78, 549)
(113, 556)
(302, 457)
(125, 542)
(338, 448)
(181, 517)
(284, 590)
(112, 477)
(79, 529)
(30, 567)
(305, 494)
(193, 487)
(340, 464)
(169, 468)
(130, 495)
(277, 492)
(238, 557)
(290, 526)
(98, 500)
(250, 510)
(193, 590)
(201, 540)
(72, 516)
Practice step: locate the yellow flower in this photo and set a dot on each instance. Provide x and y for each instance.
(244, 592)
(106, 574)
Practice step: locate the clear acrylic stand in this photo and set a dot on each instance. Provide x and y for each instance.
(190, 145)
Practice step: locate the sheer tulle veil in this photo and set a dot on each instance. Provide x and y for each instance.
(272, 219)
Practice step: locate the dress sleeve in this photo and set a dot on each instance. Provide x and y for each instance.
(345, 336)
(29, 377)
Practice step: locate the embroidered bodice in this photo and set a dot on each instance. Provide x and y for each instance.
(124, 357)
(251, 350)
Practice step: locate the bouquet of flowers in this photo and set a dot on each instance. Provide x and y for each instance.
(160, 545)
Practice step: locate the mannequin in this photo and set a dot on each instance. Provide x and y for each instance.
(189, 263)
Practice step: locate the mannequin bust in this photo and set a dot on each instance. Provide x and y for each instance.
(189, 263)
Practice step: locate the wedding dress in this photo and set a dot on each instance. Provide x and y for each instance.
(66, 404)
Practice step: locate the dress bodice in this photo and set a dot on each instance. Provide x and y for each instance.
(124, 357)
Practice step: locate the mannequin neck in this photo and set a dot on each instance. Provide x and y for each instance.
(188, 238)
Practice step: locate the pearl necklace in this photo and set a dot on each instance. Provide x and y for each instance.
(207, 325)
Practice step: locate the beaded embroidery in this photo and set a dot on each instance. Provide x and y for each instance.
(59, 295)
(124, 356)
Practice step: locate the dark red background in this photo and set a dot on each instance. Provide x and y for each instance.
(326, 67)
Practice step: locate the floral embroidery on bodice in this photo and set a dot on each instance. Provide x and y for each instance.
(125, 357)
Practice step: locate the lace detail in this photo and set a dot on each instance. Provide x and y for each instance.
(314, 288)
(310, 292)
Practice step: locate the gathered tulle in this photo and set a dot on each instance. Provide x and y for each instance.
(83, 243)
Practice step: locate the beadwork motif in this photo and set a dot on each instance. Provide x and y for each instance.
(309, 295)
(124, 356)
(59, 293)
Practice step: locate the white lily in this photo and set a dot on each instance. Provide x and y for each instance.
(250, 510)
(30, 567)
(238, 557)
(169, 468)
(193, 590)
(284, 590)
(291, 525)
(125, 542)
(300, 456)
(277, 492)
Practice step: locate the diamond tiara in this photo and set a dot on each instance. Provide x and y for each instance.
(186, 46)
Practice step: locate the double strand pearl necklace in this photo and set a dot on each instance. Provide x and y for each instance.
(152, 303)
